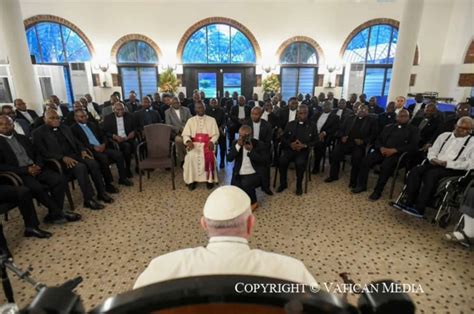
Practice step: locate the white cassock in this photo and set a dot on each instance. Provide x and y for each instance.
(224, 255)
(196, 129)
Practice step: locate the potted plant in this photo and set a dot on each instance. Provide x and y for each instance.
(271, 84)
(169, 82)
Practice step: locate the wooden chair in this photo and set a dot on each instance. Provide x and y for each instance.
(159, 153)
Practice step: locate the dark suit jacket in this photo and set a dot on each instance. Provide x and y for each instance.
(110, 124)
(139, 117)
(252, 102)
(385, 119)
(284, 115)
(412, 107)
(404, 139)
(25, 126)
(335, 102)
(79, 133)
(32, 113)
(346, 113)
(258, 157)
(64, 109)
(218, 114)
(330, 126)
(308, 137)
(69, 119)
(8, 160)
(234, 114)
(47, 145)
(368, 129)
(266, 131)
(376, 109)
(273, 120)
(431, 130)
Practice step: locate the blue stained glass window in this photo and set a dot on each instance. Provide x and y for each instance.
(373, 45)
(136, 51)
(56, 43)
(299, 53)
(218, 44)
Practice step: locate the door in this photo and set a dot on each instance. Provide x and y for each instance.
(215, 81)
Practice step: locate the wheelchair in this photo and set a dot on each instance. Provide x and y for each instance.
(448, 197)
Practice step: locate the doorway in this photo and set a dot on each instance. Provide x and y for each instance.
(215, 81)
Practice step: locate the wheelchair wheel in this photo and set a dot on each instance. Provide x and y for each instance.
(443, 221)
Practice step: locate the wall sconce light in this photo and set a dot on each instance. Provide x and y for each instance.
(168, 66)
(331, 68)
(104, 67)
(268, 67)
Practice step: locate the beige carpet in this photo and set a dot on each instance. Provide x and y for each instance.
(330, 229)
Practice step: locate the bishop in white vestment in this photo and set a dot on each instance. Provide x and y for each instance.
(200, 135)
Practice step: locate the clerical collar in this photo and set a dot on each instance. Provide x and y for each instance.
(7, 136)
(301, 122)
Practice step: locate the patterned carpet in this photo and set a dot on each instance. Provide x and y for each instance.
(330, 229)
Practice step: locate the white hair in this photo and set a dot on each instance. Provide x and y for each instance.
(238, 222)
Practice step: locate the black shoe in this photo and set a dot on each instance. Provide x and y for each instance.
(281, 188)
(358, 189)
(37, 233)
(375, 196)
(94, 205)
(299, 191)
(222, 165)
(129, 174)
(111, 189)
(209, 186)
(315, 171)
(54, 219)
(71, 216)
(330, 179)
(268, 192)
(192, 186)
(125, 182)
(105, 198)
(352, 185)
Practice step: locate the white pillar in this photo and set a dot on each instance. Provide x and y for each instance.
(25, 80)
(406, 46)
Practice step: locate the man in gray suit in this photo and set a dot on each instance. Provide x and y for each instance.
(177, 116)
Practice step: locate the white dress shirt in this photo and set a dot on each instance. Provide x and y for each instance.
(397, 110)
(241, 112)
(120, 127)
(178, 113)
(224, 256)
(91, 109)
(339, 113)
(27, 115)
(18, 128)
(451, 150)
(322, 120)
(292, 115)
(256, 130)
(246, 167)
(417, 107)
(265, 115)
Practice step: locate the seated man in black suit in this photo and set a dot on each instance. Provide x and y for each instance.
(373, 107)
(363, 100)
(146, 115)
(215, 111)
(18, 155)
(352, 101)
(91, 106)
(92, 137)
(107, 107)
(156, 104)
(430, 126)
(268, 114)
(21, 126)
(418, 105)
(56, 141)
(61, 108)
(250, 157)
(356, 133)
(462, 110)
(327, 124)
(21, 195)
(22, 112)
(69, 120)
(298, 138)
(255, 102)
(263, 132)
(394, 140)
(388, 117)
(238, 114)
(119, 127)
(342, 111)
(334, 101)
(132, 102)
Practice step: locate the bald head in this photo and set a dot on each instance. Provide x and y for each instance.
(256, 114)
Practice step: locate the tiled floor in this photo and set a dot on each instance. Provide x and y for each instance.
(330, 229)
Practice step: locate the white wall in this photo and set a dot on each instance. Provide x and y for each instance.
(272, 22)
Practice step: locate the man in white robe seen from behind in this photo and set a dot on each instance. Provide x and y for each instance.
(200, 136)
(228, 221)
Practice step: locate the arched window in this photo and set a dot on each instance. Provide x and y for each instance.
(137, 62)
(57, 44)
(218, 44)
(374, 46)
(298, 69)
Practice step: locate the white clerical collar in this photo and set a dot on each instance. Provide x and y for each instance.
(226, 239)
(7, 136)
(256, 122)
